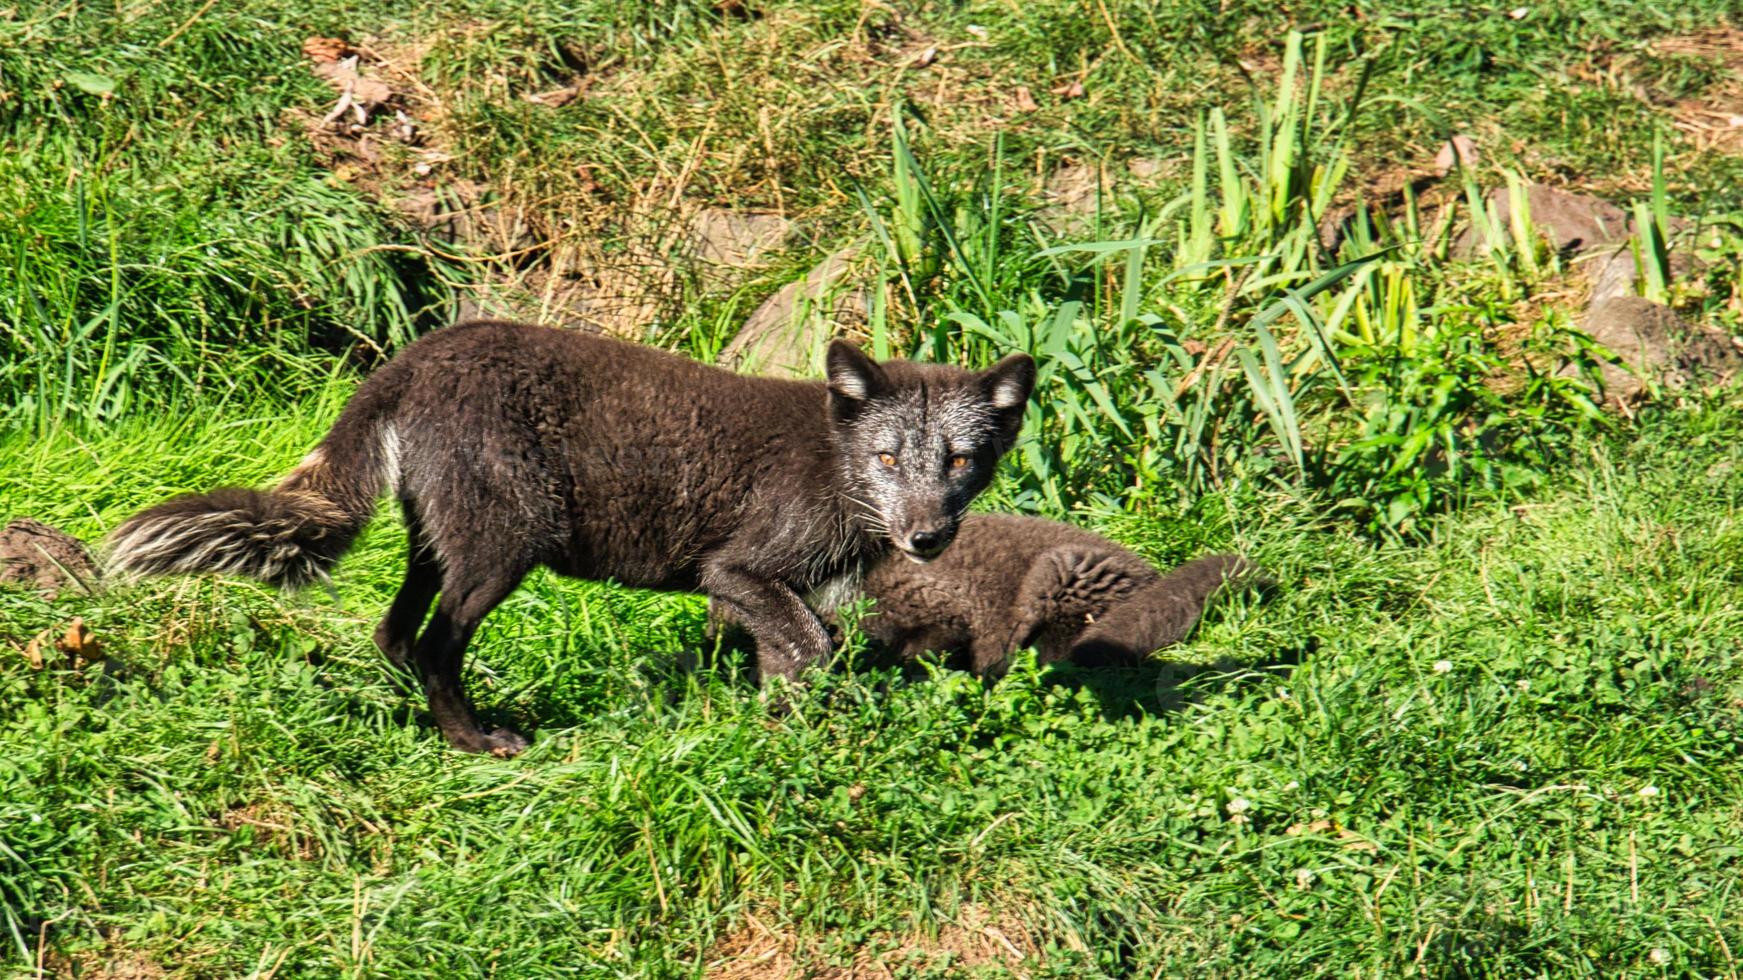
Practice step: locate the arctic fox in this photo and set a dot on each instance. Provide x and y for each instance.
(1012, 582)
(511, 446)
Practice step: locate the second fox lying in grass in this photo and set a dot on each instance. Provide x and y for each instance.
(510, 446)
(1012, 582)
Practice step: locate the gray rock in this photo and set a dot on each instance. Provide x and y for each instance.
(1612, 274)
(470, 214)
(1572, 223)
(1069, 197)
(1657, 346)
(1148, 168)
(736, 239)
(788, 332)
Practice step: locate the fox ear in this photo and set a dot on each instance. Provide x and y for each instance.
(1009, 382)
(852, 375)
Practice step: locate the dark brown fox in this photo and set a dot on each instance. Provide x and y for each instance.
(1013, 582)
(510, 446)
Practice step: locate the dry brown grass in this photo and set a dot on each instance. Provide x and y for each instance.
(766, 949)
(1713, 120)
(275, 824)
(786, 116)
(113, 962)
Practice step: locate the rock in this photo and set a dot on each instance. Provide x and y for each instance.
(1612, 276)
(1073, 188)
(787, 333)
(469, 214)
(1615, 272)
(35, 554)
(1147, 168)
(1657, 346)
(555, 98)
(737, 239)
(1069, 196)
(1710, 355)
(1571, 222)
(537, 296)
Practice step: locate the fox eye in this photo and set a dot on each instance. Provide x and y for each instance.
(958, 462)
(888, 459)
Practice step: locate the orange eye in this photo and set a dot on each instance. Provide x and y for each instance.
(888, 459)
(958, 462)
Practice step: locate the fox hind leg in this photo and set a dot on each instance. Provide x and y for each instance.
(397, 632)
(468, 595)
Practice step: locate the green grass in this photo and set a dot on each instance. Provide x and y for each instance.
(1445, 752)
(165, 220)
(1487, 727)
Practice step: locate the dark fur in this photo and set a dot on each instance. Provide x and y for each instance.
(1013, 582)
(511, 446)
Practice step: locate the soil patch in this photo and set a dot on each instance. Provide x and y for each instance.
(34, 554)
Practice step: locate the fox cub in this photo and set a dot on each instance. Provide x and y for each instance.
(1012, 582)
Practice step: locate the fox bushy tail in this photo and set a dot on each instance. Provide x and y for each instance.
(1163, 612)
(287, 536)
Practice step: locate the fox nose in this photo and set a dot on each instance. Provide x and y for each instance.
(928, 542)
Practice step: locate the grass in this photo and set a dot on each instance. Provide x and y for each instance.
(162, 203)
(1505, 751)
(1486, 728)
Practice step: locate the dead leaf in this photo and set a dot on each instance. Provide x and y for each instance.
(1459, 149)
(357, 94)
(1193, 347)
(555, 98)
(1345, 836)
(326, 49)
(344, 76)
(77, 642)
(1070, 90)
(924, 58)
(33, 650)
(1024, 100)
(1356, 842)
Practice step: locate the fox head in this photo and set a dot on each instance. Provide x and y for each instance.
(916, 442)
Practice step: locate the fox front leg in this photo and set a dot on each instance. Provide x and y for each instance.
(789, 636)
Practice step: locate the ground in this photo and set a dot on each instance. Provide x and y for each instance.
(1488, 724)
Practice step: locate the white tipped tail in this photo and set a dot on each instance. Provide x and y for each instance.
(286, 537)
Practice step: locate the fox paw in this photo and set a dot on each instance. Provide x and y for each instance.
(500, 742)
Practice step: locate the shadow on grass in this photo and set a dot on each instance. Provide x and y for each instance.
(1155, 686)
(1165, 686)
